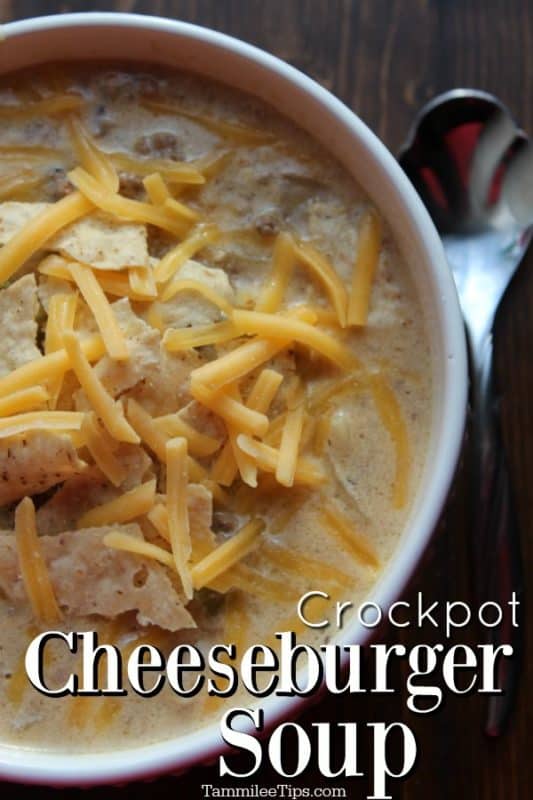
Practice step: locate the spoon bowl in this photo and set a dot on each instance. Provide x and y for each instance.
(473, 167)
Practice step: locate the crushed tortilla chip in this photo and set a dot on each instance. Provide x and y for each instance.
(144, 346)
(90, 578)
(33, 463)
(91, 488)
(18, 307)
(97, 239)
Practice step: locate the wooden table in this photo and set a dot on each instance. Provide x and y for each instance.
(384, 58)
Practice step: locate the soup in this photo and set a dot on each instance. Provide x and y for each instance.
(214, 384)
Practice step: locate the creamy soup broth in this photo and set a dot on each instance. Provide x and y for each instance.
(263, 176)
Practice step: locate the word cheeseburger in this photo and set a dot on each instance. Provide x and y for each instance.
(299, 670)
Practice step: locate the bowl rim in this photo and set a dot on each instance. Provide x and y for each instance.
(178, 754)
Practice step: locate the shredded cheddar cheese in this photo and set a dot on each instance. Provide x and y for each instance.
(101, 451)
(199, 443)
(231, 457)
(95, 298)
(298, 563)
(156, 188)
(218, 493)
(267, 459)
(127, 506)
(320, 397)
(391, 416)
(178, 518)
(48, 106)
(232, 366)
(39, 230)
(156, 440)
(49, 367)
(234, 412)
(109, 411)
(29, 153)
(142, 282)
(24, 400)
(61, 315)
(130, 544)
(323, 270)
(19, 184)
(227, 554)
(224, 470)
(179, 210)
(158, 516)
(364, 268)
(174, 172)
(40, 420)
(146, 429)
(246, 465)
(200, 237)
(271, 326)
(290, 443)
(264, 390)
(200, 288)
(249, 580)
(134, 210)
(95, 161)
(238, 134)
(287, 253)
(197, 473)
(113, 283)
(199, 336)
(33, 566)
(283, 262)
(323, 316)
(346, 532)
(213, 164)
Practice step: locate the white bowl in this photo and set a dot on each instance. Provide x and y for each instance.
(176, 44)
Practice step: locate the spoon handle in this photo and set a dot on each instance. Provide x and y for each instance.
(496, 540)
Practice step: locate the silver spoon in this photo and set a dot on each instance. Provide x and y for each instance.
(473, 168)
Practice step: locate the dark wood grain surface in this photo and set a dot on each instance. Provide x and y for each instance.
(384, 58)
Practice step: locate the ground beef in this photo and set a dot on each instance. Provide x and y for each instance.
(57, 185)
(159, 241)
(268, 223)
(131, 185)
(162, 144)
(117, 86)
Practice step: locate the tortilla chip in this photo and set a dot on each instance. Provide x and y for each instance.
(190, 308)
(97, 239)
(144, 347)
(90, 578)
(166, 387)
(32, 463)
(14, 216)
(157, 379)
(103, 243)
(137, 463)
(18, 307)
(77, 495)
(204, 420)
(200, 508)
(91, 488)
(49, 286)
